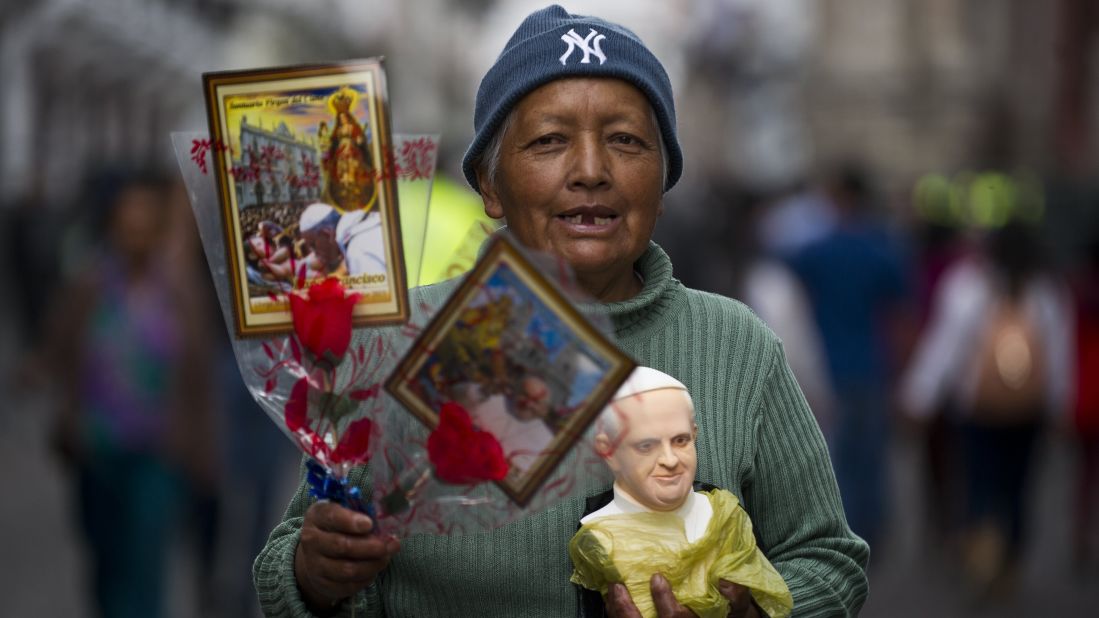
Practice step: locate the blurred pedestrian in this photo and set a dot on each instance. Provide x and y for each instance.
(1085, 532)
(184, 274)
(33, 262)
(856, 283)
(940, 247)
(765, 283)
(998, 347)
(128, 357)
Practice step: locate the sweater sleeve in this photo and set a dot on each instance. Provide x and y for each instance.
(794, 502)
(273, 570)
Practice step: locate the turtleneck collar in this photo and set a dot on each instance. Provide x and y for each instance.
(660, 296)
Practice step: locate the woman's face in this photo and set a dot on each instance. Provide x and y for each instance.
(580, 174)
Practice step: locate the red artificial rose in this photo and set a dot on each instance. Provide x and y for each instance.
(296, 412)
(461, 453)
(322, 318)
(354, 446)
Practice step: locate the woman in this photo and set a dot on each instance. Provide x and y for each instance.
(575, 146)
(128, 348)
(997, 352)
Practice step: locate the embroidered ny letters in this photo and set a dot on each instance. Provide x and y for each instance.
(586, 44)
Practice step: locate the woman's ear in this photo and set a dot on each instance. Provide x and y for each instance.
(493, 207)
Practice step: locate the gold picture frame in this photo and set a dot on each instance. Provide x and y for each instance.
(303, 164)
(518, 355)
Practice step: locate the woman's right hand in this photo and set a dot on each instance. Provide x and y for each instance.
(338, 555)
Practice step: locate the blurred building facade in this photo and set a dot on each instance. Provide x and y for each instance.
(911, 86)
(788, 85)
(951, 84)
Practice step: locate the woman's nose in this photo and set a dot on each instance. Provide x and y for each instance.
(590, 167)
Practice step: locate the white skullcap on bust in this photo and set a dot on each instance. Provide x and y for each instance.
(314, 214)
(642, 380)
(645, 379)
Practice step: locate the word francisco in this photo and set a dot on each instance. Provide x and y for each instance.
(356, 280)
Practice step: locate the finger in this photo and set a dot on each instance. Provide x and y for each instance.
(620, 604)
(663, 597)
(344, 547)
(354, 573)
(740, 598)
(335, 518)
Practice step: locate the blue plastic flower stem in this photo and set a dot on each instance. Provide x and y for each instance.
(324, 486)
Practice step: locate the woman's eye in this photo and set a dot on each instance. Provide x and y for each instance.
(626, 140)
(547, 140)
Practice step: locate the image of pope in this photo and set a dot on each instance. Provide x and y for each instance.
(350, 243)
(519, 422)
(656, 521)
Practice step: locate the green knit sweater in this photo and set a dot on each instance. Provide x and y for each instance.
(756, 437)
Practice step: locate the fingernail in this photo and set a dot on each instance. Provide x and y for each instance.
(364, 523)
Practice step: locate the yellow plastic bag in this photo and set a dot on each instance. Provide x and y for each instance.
(629, 548)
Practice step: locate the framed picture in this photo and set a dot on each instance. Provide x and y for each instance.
(518, 356)
(301, 157)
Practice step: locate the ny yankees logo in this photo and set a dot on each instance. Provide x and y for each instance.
(574, 39)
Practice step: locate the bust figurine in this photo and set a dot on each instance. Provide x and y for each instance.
(656, 521)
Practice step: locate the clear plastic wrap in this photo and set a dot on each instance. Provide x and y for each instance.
(528, 362)
(332, 402)
(273, 366)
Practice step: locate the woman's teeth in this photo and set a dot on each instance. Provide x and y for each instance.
(588, 219)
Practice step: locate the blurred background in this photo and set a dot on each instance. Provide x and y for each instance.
(905, 190)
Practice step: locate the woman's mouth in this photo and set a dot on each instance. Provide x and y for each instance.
(589, 219)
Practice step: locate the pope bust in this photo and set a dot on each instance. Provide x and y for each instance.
(656, 521)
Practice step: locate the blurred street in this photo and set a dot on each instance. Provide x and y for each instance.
(909, 576)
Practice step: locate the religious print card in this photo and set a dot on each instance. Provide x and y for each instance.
(303, 160)
(512, 357)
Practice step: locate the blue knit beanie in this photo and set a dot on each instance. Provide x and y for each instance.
(551, 44)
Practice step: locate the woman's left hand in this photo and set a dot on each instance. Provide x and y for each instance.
(620, 605)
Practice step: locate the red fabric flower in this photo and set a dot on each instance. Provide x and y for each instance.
(322, 318)
(354, 446)
(461, 453)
